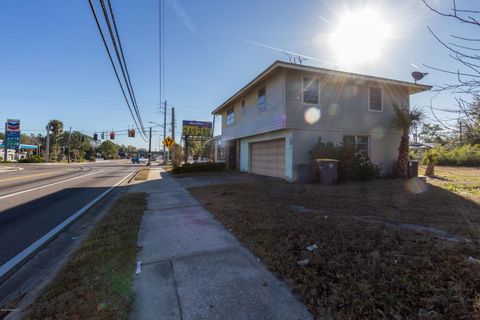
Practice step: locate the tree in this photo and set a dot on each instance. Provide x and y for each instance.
(56, 128)
(431, 133)
(109, 150)
(463, 50)
(404, 118)
(77, 145)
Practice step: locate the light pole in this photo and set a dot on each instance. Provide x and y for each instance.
(160, 138)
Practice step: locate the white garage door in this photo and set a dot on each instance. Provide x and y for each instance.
(268, 158)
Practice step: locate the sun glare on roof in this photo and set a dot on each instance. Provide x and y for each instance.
(359, 37)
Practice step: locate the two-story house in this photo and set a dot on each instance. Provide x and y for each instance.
(270, 125)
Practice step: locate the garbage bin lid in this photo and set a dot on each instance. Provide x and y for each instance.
(327, 160)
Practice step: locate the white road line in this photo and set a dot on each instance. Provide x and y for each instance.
(9, 265)
(47, 185)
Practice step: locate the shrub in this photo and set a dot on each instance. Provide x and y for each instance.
(176, 155)
(32, 159)
(352, 166)
(466, 155)
(199, 167)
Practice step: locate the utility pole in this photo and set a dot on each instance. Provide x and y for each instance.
(173, 131)
(150, 146)
(164, 127)
(68, 144)
(461, 131)
(5, 148)
(47, 147)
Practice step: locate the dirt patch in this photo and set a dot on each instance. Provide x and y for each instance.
(361, 269)
(142, 174)
(97, 282)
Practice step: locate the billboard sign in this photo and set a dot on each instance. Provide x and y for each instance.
(12, 133)
(197, 128)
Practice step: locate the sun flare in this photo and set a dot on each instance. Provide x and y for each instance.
(360, 37)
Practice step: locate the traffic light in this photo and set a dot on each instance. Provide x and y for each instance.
(112, 135)
(103, 135)
(95, 137)
(131, 133)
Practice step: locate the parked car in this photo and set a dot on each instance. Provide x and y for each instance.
(139, 160)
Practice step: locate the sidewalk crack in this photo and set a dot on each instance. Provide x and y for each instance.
(176, 290)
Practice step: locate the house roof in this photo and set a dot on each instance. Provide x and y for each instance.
(412, 87)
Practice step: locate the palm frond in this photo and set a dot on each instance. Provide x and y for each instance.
(404, 117)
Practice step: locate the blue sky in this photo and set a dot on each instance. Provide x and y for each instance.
(53, 64)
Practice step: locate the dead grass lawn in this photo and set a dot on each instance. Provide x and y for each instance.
(97, 282)
(362, 269)
(142, 174)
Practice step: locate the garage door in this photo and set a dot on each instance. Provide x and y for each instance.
(268, 158)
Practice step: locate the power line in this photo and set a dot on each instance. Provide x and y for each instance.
(123, 66)
(113, 65)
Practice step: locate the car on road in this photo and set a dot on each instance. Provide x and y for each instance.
(139, 160)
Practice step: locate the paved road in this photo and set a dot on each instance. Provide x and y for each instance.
(40, 197)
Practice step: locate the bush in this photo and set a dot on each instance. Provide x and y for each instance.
(199, 167)
(352, 166)
(32, 159)
(466, 155)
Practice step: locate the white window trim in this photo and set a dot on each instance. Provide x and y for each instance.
(233, 111)
(381, 99)
(361, 135)
(303, 90)
(258, 106)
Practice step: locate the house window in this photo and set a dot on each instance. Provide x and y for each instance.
(262, 100)
(230, 117)
(375, 99)
(311, 90)
(360, 143)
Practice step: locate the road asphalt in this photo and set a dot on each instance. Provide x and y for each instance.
(40, 197)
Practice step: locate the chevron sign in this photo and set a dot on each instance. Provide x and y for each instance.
(13, 125)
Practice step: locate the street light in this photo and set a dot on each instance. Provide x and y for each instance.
(160, 138)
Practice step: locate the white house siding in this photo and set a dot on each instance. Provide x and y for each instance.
(343, 103)
(249, 120)
(383, 146)
(343, 111)
(282, 134)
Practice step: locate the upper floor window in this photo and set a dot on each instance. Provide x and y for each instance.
(375, 99)
(311, 90)
(230, 116)
(360, 143)
(262, 99)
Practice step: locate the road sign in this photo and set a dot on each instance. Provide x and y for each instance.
(196, 128)
(12, 133)
(168, 142)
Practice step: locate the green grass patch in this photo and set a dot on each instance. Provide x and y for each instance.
(97, 282)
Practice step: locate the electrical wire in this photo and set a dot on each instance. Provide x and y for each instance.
(113, 64)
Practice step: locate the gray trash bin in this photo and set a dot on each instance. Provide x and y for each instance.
(412, 168)
(328, 171)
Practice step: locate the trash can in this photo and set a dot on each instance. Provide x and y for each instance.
(412, 168)
(307, 173)
(327, 169)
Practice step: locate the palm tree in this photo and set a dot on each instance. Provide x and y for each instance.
(56, 127)
(404, 118)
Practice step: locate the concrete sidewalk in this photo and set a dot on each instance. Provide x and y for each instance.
(193, 268)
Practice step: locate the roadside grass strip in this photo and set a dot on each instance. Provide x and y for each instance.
(142, 174)
(96, 283)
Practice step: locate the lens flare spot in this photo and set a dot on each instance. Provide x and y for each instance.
(416, 185)
(312, 115)
(351, 91)
(332, 109)
(377, 133)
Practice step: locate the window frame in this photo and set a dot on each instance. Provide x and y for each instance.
(381, 98)
(230, 120)
(356, 138)
(303, 90)
(264, 88)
